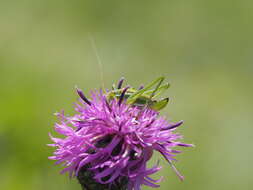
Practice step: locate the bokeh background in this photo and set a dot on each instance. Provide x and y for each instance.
(204, 48)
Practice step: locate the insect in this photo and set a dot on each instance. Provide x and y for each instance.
(144, 96)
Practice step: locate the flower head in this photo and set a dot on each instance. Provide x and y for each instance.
(109, 141)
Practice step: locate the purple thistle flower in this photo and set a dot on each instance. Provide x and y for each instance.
(109, 142)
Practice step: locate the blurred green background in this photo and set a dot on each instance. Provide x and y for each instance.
(204, 48)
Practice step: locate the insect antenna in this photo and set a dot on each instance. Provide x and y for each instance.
(94, 47)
